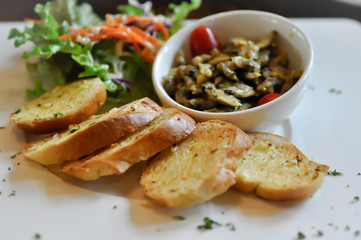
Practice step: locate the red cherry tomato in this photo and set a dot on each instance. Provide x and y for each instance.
(267, 98)
(202, 40)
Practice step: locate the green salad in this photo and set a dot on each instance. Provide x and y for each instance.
(70, 41)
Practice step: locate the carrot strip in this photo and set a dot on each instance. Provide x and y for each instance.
(122, 28)
(67, 36)
(80, 30)
(137, 47)
(112, 30)
(163, 29)
(31, 20)
(98, 37)
(148, 55)
(145, 35)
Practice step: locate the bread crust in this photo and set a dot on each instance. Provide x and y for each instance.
(198, 168)
(168, 128)
(55, 109)
(298, 186)
(98, 131)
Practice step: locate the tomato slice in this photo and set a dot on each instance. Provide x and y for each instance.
(267, 98)
(202, 40)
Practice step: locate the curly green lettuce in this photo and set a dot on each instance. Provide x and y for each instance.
(126, 77)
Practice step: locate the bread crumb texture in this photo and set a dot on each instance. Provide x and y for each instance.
(275, 169)
(168, 128)
(92, 134)
(61, 106)
(198, 168)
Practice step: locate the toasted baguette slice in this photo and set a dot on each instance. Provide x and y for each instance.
(275, 169)
(197, 168)
(168, 128)
(94, 133)
(61, 106)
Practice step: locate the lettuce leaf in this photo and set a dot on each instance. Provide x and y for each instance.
(68, 10)
(126, 78)
(39, 90)
(180, 12)
(66, 61)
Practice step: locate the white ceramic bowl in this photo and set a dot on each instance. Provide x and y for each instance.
(250, 25)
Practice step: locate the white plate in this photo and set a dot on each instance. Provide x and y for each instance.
(325, 126)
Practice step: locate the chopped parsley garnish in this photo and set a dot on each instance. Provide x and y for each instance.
(179, 217)
(214, 150)
(74, 130)
(231, 226)
(115, 206)
(208, 224)
(333, 90)
(300, 235)
(356, 198)
(58, 114)
(12, 194)
(9, 168)
(357, 233)
(2, 127)
(14, 156)
(334, 173)
(37, 236)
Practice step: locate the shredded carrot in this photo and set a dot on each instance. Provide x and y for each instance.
(163, 29)
(31, 20)
(81, 31)
(67, 36)
(128, 29)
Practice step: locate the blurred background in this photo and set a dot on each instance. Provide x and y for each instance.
(17, 10)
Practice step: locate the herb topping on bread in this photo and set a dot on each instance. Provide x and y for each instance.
(168, 128)
(198, 168)
(275, 169)
(61, 106)
(96, 132)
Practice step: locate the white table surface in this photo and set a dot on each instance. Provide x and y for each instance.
(326, 126)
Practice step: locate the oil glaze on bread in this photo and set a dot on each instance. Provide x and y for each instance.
(168, 128)
(275, 169)
(198, 168)
(61, 106)
(94, 133)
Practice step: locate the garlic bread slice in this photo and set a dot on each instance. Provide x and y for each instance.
(61, 106)
(168, 128)
(94, 133)
(198, 168)
(275, 169)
